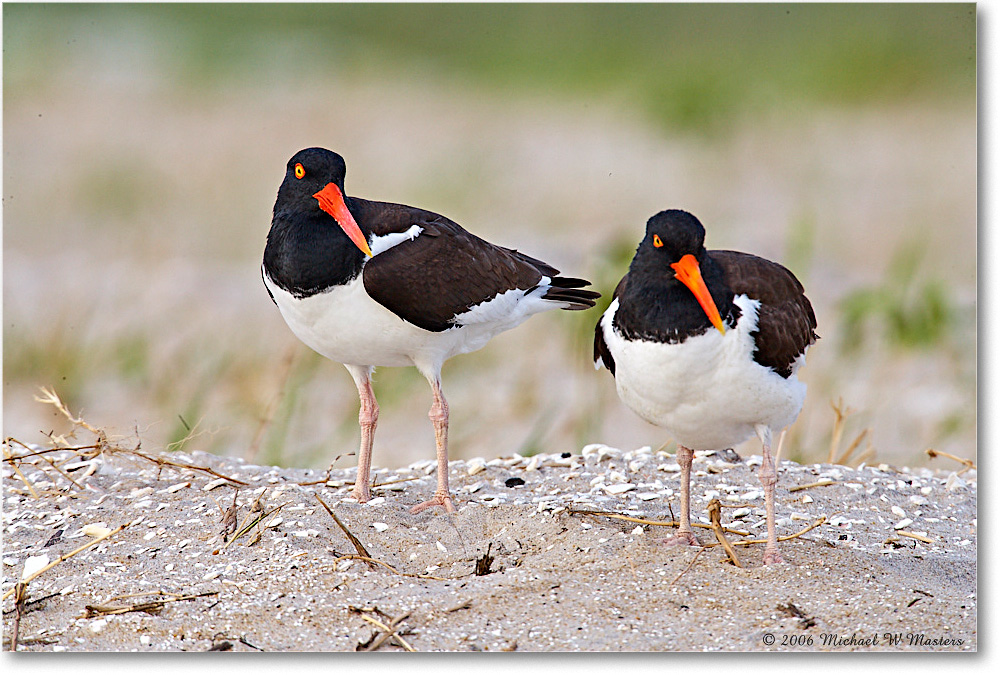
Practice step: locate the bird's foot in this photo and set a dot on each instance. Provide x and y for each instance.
(682, 539)
(437, 500)
(362, 495)
(772, 557)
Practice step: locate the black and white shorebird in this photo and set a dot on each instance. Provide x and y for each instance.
(368, 283)
(706, 344)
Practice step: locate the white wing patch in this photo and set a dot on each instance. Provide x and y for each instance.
(380, 244)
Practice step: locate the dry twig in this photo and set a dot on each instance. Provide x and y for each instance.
(689, 566)
(67, 556)
(483, 563)
(967, 463)
(845, 456)
(251, 521)
(840, 415)
(645, 521)
(374, 561)
(715, 515)
(151, 607)
(914, 535)
(358, 546)
(389, 632)
(820, 483)
(20, 596)
(751, 542)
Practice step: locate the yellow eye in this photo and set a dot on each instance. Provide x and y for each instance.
(300, 170)
(657, 242)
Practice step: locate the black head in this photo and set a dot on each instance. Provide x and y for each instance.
(667, 269)
(308, 172)
(672, 234)
(314, 182)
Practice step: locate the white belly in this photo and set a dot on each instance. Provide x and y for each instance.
(345, 325)
(707, 391)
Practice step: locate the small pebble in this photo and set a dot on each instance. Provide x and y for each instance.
(905, 522)
(898, 511)
(618, 488)
(33, 564)
(211, 486)
(441, 547)
(514, 482)
(380, 527)
(954, 482)
(96, 530)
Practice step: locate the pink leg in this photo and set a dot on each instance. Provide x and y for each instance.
(768, 475)
(439, 417)
(368, 419)
(685, 535)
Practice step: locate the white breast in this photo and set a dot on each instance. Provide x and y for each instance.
(706, 391)
(345, 325)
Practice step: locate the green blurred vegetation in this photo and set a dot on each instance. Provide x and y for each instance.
(905, 310)
(684, 66)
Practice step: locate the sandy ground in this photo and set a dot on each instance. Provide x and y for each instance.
(558, 580)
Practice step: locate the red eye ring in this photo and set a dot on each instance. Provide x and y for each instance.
(657, 242)
(300, 171)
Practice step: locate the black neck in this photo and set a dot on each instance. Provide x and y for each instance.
(308, 253)
(655, 305)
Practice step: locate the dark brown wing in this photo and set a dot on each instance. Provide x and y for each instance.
(446, 270)
(786, 322)
(601, 352)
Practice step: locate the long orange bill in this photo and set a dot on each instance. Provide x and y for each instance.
(331, 200)
(689, 273)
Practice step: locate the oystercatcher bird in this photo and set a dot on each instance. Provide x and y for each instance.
(706, 344)
(369, 283)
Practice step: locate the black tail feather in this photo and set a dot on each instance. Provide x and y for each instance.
(569, 282)
(569, 290)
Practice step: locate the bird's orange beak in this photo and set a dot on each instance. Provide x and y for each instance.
(331, 200)
(689, 273)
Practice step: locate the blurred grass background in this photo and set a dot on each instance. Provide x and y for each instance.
(143, 145)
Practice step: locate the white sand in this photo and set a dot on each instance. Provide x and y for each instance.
(559, 581)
